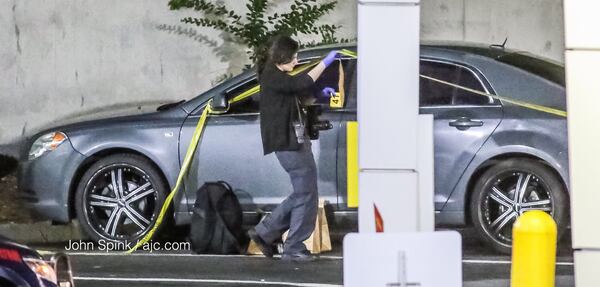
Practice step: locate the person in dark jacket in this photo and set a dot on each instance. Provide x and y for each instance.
(279, 110)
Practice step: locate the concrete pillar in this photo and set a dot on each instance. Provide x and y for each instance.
(582, 58)
(388, 117)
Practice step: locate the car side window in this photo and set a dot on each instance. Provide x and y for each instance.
(433, 93)
(247, 105)
(330, 78)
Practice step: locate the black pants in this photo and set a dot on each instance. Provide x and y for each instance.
(298, 212)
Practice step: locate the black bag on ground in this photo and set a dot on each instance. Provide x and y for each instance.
(216, 220)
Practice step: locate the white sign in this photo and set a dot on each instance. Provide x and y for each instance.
(425, 259)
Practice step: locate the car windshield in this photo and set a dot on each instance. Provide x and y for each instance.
(550, 71)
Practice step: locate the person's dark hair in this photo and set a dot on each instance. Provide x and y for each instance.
(278, 50)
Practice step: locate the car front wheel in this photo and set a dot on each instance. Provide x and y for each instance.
(119, 198)
(507, 190)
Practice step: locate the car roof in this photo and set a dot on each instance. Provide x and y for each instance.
(489, 51)
(443, 49)
(466, 47)
(465, 52)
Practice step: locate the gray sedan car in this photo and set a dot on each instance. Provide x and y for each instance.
(494, 159)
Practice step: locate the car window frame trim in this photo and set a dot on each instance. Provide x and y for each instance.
(492, 102)
(474, 71)
(253, 77)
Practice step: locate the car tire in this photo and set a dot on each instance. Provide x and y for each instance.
(125, 216)
(495, 205)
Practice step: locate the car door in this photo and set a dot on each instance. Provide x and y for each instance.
(231, 150)
(463, 120)
(347, 114)
(329, 165)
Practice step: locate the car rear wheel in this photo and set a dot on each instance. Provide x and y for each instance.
(119, 198)
(510, 188)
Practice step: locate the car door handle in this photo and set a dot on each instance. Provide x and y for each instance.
(465, 123)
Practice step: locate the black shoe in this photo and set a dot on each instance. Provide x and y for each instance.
(265, 248)
(302, 256)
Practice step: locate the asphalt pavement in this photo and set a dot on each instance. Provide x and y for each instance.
(93, 268)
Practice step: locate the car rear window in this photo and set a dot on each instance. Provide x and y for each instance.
(545, 69)
(433, 93)
(538, 66)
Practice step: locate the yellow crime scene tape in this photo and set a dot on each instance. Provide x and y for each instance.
(505, 99)
(352, 137)
(184, 168)
(338, 99)
(337, 102)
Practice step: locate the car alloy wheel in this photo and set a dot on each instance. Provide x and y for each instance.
(119, 201)
(509, 189)
(119, 198)
(512, 194)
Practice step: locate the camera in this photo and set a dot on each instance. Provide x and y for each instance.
(315, 125)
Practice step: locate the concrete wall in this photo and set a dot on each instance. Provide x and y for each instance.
(535, 26)
(63, 57)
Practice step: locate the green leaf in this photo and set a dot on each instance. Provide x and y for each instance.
(251, 28)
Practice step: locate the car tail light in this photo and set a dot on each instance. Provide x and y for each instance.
(10, 255)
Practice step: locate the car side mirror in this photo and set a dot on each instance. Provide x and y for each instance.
(220, 104)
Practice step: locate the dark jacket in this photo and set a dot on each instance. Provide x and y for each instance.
(279, 93)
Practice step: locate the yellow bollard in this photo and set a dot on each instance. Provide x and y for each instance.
(533, 250)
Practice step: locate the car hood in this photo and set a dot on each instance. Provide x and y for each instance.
(112, 111)
(121, 114)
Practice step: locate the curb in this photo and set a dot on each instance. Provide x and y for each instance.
(41, 232)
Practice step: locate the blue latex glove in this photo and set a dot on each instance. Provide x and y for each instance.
(327, 92)
(330, 58)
